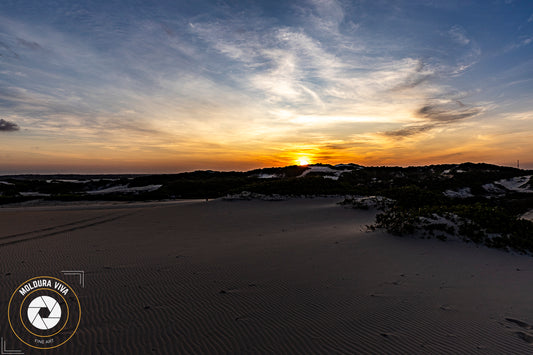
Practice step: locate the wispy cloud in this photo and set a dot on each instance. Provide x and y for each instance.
(471, 50)
(409, 130)
(522, 42)
(420, 74)
(7, 52)
(447, 111)
(302, 74)
(458, 34)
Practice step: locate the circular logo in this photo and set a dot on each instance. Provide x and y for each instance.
(44, 312)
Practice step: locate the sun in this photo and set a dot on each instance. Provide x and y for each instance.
(302, 161)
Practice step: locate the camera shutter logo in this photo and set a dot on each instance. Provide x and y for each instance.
(44, 312)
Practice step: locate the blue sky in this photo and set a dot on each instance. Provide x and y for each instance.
(155, 86)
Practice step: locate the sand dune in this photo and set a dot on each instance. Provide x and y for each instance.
(296, 276)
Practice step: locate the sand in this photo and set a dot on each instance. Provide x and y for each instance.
(295, 276)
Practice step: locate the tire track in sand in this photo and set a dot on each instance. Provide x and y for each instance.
(73, 226)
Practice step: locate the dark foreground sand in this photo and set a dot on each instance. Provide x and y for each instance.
(298, 276)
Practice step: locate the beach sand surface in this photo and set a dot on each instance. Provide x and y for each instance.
(295, 276)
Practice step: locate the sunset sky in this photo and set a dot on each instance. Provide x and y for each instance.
(154, 86)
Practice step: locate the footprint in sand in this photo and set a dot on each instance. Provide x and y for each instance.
(525, 334)
(448, 308)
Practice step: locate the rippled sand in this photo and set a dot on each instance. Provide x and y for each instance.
(296, 276)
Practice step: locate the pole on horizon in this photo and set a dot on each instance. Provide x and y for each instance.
(518, 164)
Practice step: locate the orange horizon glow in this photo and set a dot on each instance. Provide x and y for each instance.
(239, 148)
(90, 163)
(159, 155)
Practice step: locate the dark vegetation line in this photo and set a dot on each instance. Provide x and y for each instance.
(487, 216)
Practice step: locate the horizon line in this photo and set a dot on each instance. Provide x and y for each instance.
(260, 168)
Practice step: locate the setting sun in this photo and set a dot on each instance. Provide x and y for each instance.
(302, 161)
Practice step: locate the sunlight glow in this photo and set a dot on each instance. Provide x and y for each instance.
(327, 120)
(303, 161)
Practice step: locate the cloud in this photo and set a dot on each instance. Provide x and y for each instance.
(29, 44)
(530, 19)
(13, 97)
(527, 41)
(447, 111)
(409, 131)
(465, 52)
(295, 69)
(458, 34)
(444, 111)
(7, 126)
(7, 51)
(522, 42)
(326, 16)
(419, 75)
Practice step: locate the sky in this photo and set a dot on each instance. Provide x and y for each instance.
(169, 86)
